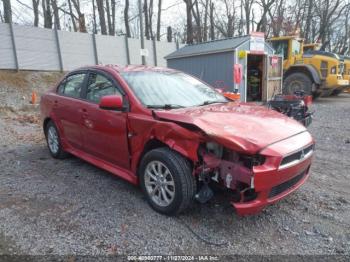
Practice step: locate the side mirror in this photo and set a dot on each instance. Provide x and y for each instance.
(111, 102)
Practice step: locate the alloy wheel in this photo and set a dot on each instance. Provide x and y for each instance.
(159, 183)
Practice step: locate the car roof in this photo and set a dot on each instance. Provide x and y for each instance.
(128, 68)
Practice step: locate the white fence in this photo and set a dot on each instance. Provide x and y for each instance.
(32, 48)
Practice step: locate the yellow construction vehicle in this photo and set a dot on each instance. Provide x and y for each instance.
(315, 72)
(346, 71)
(311, 47)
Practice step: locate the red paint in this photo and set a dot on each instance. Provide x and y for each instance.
(116, 140)
(237, 73)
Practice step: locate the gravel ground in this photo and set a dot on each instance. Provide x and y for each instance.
(50, 206)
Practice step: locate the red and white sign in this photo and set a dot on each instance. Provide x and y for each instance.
(274, 61)
(257, 42)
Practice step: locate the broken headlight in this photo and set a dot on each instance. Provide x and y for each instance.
(215, 149)
(251, 161)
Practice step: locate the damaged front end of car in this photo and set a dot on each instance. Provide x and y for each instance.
(258, 161)
(231, 171)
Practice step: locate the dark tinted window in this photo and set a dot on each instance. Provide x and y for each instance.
(72, 85)
(281, 48)
(99, 86)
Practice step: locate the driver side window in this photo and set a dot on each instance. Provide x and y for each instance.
(72, 85)
(99, 86)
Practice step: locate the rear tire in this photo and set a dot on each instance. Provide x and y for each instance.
(297, 82)
(54, 142)
(167, 181)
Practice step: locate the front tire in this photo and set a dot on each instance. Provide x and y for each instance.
(167, 181)
(297, 82)
(54, 142)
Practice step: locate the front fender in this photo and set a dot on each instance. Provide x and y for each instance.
(142, 129)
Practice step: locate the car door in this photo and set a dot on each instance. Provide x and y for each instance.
(104, 131)
(68, 108)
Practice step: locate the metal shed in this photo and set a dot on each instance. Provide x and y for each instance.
(244, 64)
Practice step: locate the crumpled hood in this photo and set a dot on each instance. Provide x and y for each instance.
(243, 127)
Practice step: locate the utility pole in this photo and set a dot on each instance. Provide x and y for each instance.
(141, 33)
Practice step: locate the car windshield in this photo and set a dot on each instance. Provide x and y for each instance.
(171, 89)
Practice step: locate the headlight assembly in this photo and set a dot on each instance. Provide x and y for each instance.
(215, 149)
(250, 161)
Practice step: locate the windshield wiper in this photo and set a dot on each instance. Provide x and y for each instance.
(211, 102)
(165, 106)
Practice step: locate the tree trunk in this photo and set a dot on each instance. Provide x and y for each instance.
(109, 21)
(36, 12)
(159, 19)
(189, 31)
(94, 17)
(197, 18)
(212, 23)
(169, 34)
(47, 13)
(205, 27)
(126, 18)
(145, 11)
(150, 18)
(81, 16)
(7, 11)
(56, 14)
(72, 16)
(101, 14)
(113, 16)
(308, 21)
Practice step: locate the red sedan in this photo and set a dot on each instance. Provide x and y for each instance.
(175, 136)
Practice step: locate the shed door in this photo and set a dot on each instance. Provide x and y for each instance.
(274, 76)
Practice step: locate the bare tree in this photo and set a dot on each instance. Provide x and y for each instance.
(169, 34)
(71, 15)
(55, 14)
(205, 4)
(110, 9)
(327, 12)
(248, 4)
(189, 25)
(101, 15)
(126, 18)
(81, 16)
(46, 6)
(212, 22)
(145, 11)
(159, 19)
(307, 31)
(266, 6)
(7, 11)
(35, 4)
(197, 18)
(94, 17)
(113, 5)
(150, 17)
(226, 24)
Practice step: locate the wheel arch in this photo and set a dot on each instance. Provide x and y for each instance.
(45, 122)
(155, 143)
(308, 70)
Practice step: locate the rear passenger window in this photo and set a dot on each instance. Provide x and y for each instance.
(72, 85)
(99, 86)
